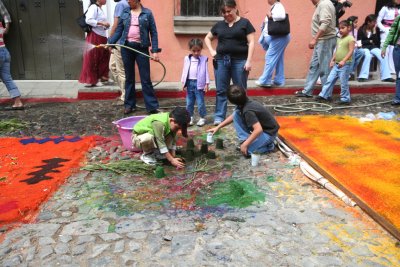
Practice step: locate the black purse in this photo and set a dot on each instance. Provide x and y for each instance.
(278, 27)
(82, 22)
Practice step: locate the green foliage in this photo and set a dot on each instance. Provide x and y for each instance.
(131, 166)
(12, 125)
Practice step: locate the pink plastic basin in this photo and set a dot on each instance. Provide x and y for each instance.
(125, 127)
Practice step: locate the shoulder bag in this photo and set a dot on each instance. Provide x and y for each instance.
(82, 22)
(277, 28)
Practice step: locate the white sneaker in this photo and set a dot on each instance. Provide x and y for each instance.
(201, 122)
(216, 123)
(191, 123)
(148, 159)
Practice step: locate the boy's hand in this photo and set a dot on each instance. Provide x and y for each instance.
(178, 163)
(341, 64)
(213, 130)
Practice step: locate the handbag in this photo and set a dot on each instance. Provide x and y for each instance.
(279, 27)
(82, 22)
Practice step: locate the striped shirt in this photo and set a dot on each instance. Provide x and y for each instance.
(2, 44)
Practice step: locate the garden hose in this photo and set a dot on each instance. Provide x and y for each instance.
(130, 48)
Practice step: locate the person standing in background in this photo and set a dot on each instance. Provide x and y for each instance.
(5, 62)
(95, 59)
(385, 19)
(323, 29)
(275, 46)
(116, 64)
(233, 55)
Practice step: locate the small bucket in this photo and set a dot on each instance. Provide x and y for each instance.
(125, 127)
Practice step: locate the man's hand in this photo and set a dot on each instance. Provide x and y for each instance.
(331, 64)
(312, 43)
(341, 63)
(243, 148)
(155, 57)
(213, 130)
(178, 163)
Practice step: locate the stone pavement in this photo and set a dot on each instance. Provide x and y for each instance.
(93, 219)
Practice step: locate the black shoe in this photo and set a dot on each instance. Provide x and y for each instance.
(129, 110)
(343, 103)
(389, 80)
(352, 77)
(321, 99)
(395, 103)
(154, 111)
(362, 80)
(301, 94)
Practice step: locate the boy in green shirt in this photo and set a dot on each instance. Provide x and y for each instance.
(156, 135)
(341, 66)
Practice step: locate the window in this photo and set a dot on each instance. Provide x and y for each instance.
(203, 8)
(195, 16)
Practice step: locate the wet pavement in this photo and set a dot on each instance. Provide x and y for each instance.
(104, 219)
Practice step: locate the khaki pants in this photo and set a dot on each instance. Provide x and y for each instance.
(117, 70)
(147, 143)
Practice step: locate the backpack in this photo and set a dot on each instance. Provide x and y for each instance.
(82, 22)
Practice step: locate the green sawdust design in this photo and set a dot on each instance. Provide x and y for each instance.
(233, 193)
(11, 125)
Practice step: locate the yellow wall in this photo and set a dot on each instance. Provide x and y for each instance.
(297, 54)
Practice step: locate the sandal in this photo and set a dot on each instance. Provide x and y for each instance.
(301, 94)
(13, 108)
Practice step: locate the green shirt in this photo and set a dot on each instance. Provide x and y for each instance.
(393, 35)
(342, 48)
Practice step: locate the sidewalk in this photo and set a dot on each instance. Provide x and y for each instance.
(71, 90)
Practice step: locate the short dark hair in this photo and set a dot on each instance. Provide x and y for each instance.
(195, 42)
(237, 95)
(181, 117)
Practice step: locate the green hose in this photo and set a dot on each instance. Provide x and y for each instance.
(127, 47)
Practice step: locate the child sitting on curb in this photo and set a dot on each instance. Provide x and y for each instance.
(156, 135)
(256, 127)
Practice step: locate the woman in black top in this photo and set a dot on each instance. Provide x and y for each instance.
(370, 43)
(232, 58)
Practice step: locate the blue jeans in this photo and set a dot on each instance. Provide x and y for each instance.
(274, 59)
(5, 73)
(192, 95)
(264, 143)
(223, 75)
(129, 58)
(384, 64)
(338, 73)
(319, 65)
(396, 61)
(357, 56)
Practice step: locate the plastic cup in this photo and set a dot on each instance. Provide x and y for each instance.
(255, 159)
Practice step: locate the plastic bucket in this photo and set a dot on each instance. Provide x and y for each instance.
(125, 127)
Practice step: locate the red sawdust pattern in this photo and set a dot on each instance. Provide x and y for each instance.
(19, 201)
(363, 157)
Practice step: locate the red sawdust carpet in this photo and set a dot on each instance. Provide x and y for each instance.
(31, 172)
(363, 159)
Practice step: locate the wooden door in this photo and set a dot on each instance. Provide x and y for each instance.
(44, 40)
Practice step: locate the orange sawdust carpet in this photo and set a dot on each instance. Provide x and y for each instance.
(364, 158)
(30, 172)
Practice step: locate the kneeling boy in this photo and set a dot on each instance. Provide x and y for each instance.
(255, 126)
(156, 135)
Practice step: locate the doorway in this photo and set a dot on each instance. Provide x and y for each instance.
(44, 39)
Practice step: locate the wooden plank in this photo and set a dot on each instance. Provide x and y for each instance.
(364, 206)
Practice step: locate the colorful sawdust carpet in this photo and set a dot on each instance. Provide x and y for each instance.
(361, 157)
(32, 169)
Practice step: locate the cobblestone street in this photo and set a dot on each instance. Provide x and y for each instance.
(92, 221)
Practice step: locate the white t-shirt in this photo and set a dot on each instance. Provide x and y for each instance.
(278, 13)
(95, 14)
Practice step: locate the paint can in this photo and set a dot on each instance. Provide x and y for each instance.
(210, 138)
(255, 159)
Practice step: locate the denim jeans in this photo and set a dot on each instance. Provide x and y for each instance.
(264, 142)
(338, 73)
(396, 61)
(223, 75)
(384, 64)
(319, 65)
(129, 58)
(357, 56)
(5, 73)
(274, 60)
(195, 95)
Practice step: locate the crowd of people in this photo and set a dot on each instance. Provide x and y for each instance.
(338, 48)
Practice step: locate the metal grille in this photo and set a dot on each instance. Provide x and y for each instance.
(206, 8)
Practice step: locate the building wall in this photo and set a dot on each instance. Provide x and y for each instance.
(297, 56)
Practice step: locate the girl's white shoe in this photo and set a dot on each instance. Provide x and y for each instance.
(201, 122)
(191, 123)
